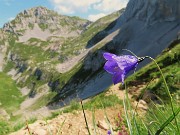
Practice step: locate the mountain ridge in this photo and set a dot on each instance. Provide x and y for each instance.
(42, 20)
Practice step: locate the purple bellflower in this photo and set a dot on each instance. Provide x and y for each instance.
(119, 66)
(109, 132)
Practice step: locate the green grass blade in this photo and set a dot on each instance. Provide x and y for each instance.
(107, 119)
(49, 129)
(161, 113)
(126, 105)
(166, 88)
(94, 121)
(85, 118)
(61, 126)
(133, 114)
(127, 117)
(167, 122)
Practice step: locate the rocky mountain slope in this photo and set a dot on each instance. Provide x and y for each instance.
(146, 28)
(36, 64)
(42, 23)
(70, 65)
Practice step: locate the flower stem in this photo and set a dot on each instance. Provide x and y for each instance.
(85, 118)
(167, 90)
(27, 126)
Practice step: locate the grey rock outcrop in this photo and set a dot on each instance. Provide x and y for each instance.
(148, 26)
(153, 11)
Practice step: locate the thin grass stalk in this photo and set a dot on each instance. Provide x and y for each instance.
(48, 127)
(167, 90)
(167, 122)
(129, 106)
(145, 126)
(136, 127)
(135, 111)
(162, 114)
(151, 128)
(28, 127)
(94, 121)
(107, 120)
(49, 130)
(61, 127)
(166, 86)
(155, 116)
(159, 111)
(85, 118)
(127, 118)
(126, 112)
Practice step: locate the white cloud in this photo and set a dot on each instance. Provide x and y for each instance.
(8, 2)
(94, 9)
(71, 6)
(64, 9)
(95, 17)
(11, 18)
(109, 6)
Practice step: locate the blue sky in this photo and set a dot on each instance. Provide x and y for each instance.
(89, 9)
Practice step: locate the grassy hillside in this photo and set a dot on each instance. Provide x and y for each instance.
(169, 62)
(92, 35)
(32, 53)
(36, 53)
(10, 96)
(140, 124)
(10, 100)
(61, 48)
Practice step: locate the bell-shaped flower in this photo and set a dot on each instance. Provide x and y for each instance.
(119, 66)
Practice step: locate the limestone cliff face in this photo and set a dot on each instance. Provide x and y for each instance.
(152, 11)
(146, 27)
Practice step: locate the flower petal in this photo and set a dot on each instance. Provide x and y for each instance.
(111, 67)
(118, 77)
(129, 68)
(108, 56)
(123, 77)
(126, 62)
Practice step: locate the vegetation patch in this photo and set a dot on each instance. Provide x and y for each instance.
(4, 127)
(42, 101)
(169, 62)
(9, 65)
(43, 26)
(10, 96)
(102, 101)
(33, 53)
